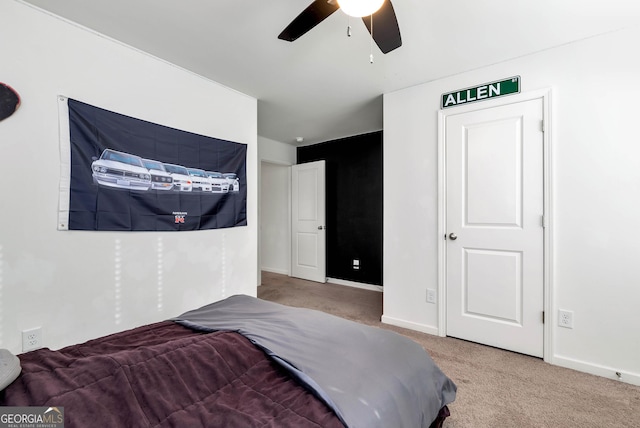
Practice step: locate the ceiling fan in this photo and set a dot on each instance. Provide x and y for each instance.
(385, 24)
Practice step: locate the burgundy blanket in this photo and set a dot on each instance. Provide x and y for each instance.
(165, 375)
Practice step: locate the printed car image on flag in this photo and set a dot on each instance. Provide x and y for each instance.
(130, 174)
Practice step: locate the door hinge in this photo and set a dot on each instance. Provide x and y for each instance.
(543, 221)
(542, 317)
(542, 125)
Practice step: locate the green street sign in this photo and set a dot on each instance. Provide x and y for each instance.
(482, 92)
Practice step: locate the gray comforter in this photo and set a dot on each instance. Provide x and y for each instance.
(371, 377)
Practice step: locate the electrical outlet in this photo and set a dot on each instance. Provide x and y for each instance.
(431, 295)
(32, 339)
(356, 264)
(565, 319)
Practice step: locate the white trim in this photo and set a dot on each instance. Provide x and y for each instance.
(596, 369)
(355, 284)
(274, 270)
(410, 325)
(275, 162)
(442, 226)
(547, 165)
(289, 217)
(548, 306)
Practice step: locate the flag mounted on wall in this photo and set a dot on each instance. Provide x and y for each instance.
(120, 173)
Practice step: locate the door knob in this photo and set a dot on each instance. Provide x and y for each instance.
(453, 236)
(320, 227)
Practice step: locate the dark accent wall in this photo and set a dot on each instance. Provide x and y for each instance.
(353, 203)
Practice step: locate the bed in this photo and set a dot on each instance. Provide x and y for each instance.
(239, 362)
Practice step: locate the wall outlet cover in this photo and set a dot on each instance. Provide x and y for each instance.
(565, 318)
(32, 339)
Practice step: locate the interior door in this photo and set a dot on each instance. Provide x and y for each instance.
(308, 234)
(494, 223)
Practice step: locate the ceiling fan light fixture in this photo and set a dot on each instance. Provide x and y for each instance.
(360, 8)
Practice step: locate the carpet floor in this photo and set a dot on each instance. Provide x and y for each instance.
(496, 388)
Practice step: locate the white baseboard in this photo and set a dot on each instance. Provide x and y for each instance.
(410, 325)
(597, 370)
(355, 284)
(275, 270)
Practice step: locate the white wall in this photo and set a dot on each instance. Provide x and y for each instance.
(275, 204)
(275, 214)
(78, 285)
(595, 187)
(276, 152)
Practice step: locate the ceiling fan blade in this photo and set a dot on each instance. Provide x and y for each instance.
(317, 12)
(386, 32)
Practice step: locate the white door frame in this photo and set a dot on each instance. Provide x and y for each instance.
(549, 305)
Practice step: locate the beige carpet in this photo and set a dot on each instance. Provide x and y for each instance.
(495, 388)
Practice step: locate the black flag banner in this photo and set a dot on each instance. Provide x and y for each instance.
(125, 174)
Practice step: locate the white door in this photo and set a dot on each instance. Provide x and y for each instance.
(495, 239)
(308, 246)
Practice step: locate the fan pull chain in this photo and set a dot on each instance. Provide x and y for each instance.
(371, 43)
(348, 26)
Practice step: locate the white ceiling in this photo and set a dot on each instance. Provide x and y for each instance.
(322, 86)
